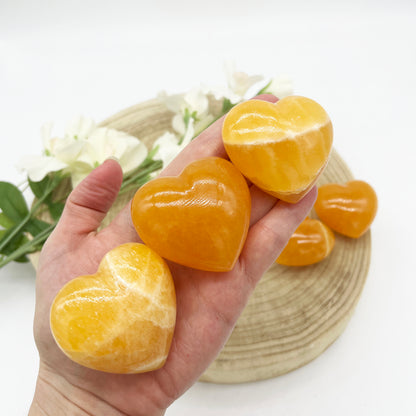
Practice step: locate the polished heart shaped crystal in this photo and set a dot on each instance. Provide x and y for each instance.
(281, 147)
(199, 219)
(121, 319)
(311, 243)
(347, 208)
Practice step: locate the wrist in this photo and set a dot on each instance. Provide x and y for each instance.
(54, 395)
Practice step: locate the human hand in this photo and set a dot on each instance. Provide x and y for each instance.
(208, 304)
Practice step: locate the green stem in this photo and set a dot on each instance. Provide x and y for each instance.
(29, 247)
(264, 89)
(25, 220)
(143, 172)
(15, 232)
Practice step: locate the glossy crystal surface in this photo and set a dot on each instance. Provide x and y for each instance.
(312, 242)
(281, 147)
(199, 219)
(121, 319)
(348, 209)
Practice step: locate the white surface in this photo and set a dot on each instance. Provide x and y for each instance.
(358, 59)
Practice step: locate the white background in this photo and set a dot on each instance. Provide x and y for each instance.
(357, 58)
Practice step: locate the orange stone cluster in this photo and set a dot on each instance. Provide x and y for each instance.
(349, 209)
(122, 318)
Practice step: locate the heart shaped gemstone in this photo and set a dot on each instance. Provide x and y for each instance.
(347, 208)
(312, 242)
(281, 147)
(199, 219)
(121, 319)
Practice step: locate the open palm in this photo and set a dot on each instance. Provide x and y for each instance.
(208, 304)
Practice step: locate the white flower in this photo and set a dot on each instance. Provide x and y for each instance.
(104, 143)
(280, 86)
(239, 84)
(38, 167)
(195, 101)
(200, 124)
(83, 147)
(168, 146)
(192, 105)
(80, 128)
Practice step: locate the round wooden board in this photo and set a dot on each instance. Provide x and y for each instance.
(295, 313)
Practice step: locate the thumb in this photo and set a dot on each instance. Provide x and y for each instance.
(89, 202)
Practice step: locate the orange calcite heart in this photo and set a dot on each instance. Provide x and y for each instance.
(199, 219)
(311, 243)
(121, 319)
(281, 147)
(347, 208)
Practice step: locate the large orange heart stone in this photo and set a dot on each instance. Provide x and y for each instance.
(281, 147)
(121, 319)
(199, 219)
(347, 208)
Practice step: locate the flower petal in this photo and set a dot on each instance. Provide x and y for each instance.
(281, 86)
(37, 167)
(173, 102)
(136, 152)
(196, 100)
(239, 82)
(104, 143)
(80, 128)
(68, 149)
(178, 124)
(168, 148)
(46, 133)
(79, 171)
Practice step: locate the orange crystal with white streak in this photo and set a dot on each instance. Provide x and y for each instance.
(281, 147)
(121, 319)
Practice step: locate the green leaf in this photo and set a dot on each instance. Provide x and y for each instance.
(39, 188)
(5, 221)
(22, 259)
(28, 246)
(36, 226)
(43, 191)
(14, 243)
(227, 105)
(46, 185)
(55, 209)
(12, 202)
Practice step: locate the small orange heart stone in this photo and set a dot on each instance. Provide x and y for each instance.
(121, 319)
(199, 219)
(281, 147)
(311, 243)
(347, 208)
